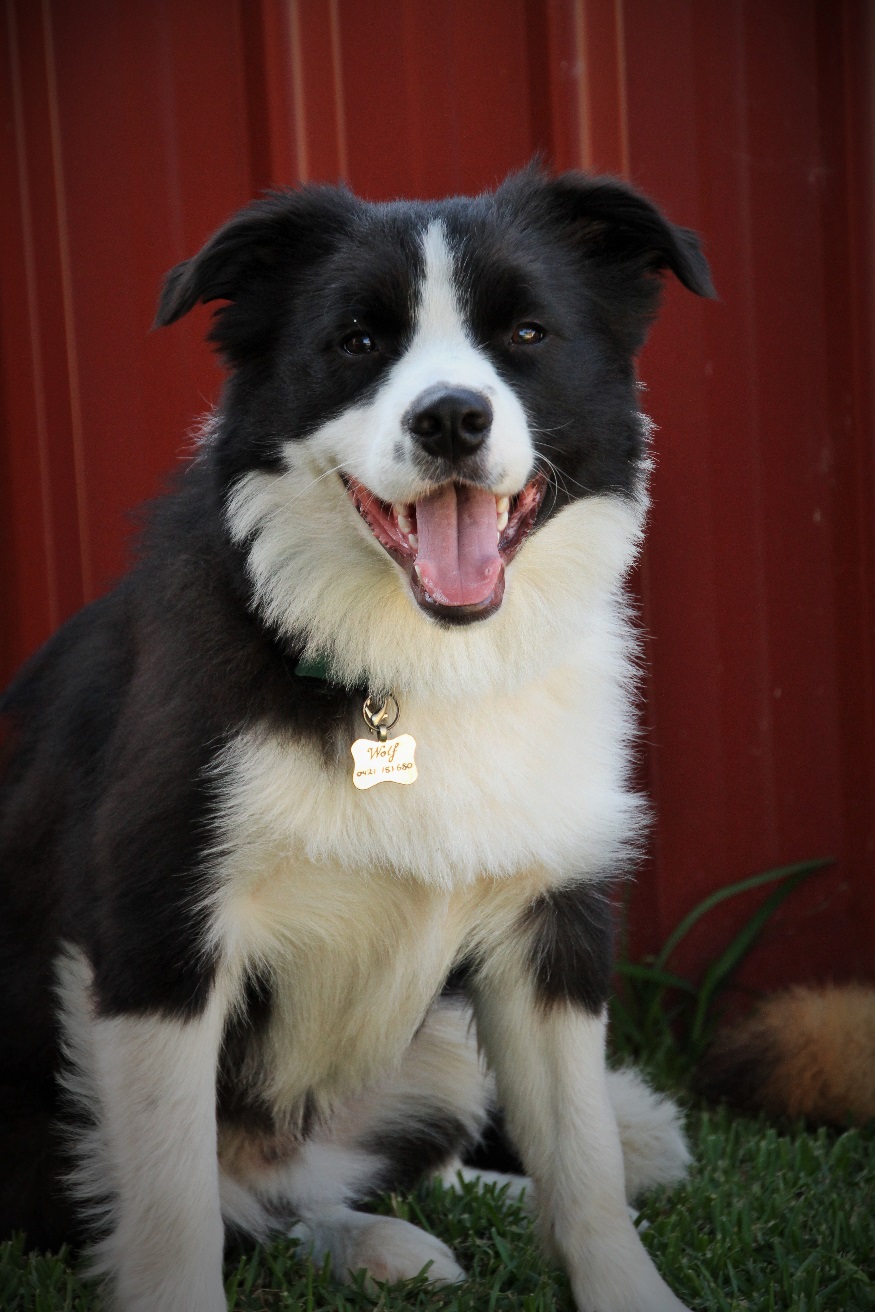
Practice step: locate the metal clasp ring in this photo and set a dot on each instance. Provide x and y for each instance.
(376, 719)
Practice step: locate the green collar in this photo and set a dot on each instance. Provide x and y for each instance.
(314, 669)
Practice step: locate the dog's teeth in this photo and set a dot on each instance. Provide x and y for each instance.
(413, 540)
(501, 522)
(502, 505)
(404, 523)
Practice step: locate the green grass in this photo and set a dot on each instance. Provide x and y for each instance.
(770, 1220)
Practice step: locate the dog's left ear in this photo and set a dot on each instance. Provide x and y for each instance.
(624, 239)
(617, 222)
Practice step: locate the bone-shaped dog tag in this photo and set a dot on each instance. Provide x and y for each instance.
(383, 760)
(390, 762)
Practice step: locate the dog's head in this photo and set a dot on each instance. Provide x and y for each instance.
(436, 380)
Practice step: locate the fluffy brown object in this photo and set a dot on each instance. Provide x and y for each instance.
(806, 1052)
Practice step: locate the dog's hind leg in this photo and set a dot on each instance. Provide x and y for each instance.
(652, 1139)
(651, 1132)
(386, 1138)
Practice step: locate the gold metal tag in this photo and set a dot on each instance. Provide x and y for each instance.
(386, 760)
(390, 762)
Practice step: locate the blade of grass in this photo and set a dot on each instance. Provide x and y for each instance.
(650, 974)
(732, 890)
(719, 971)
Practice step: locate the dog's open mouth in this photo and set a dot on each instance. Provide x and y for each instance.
(454, 543)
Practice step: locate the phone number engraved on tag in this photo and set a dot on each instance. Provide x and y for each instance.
(390, 762)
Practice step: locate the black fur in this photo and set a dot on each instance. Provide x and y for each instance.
(239, 1103)
(423, 1140)
(114, 725)
(495, 1150)
(572, 946)
(738, 1068)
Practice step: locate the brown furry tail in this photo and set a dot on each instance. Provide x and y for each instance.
(806, 1052)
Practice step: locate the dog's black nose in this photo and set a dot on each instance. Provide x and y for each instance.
(450, 422)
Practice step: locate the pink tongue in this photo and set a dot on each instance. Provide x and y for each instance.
(457, 560)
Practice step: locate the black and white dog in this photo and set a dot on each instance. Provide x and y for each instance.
(236, 978)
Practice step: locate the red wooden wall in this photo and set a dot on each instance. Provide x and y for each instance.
(131, 130)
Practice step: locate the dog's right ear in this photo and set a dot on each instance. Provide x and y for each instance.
(242, 262)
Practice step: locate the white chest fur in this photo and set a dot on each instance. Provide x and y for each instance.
(354, 961)
(357, 903)
(534, 777)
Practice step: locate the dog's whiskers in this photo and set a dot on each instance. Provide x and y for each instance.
(550, 472)
(554, 428)
(304, 490)
(566, 478)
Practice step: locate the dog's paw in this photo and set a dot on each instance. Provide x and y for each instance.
(651, 1132)
(613, 1272)
(385, 1247)
(625, 1289)
(617, 1296)
(390, 1249)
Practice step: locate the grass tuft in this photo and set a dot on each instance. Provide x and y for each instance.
(770, 1220)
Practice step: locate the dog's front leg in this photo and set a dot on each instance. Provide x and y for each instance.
(540, 1001)
(156, 1088)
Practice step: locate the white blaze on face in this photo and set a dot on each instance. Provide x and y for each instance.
(373, 442)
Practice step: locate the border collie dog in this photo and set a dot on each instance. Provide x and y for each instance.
(243, 989)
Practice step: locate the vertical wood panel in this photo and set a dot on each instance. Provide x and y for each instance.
(270, 90)
(129, 86)
(686, 765)
(845, 36)
(426, 113)
(314, 73)
(44, 567)
(600, 34)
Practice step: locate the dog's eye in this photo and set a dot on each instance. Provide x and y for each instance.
(358, 343)
(528, 334)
